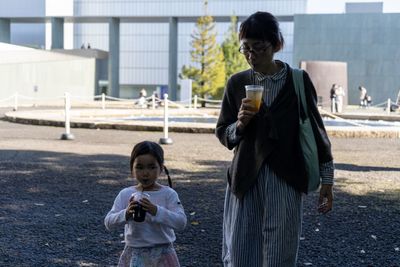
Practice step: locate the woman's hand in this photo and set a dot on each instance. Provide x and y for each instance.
(246, 113)
(325, 201)
(148, 206)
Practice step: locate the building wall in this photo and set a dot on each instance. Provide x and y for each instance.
(60, 8)
(369, 43)
(323, 83)
(25, 34)
(339, 6)
(144, 46)
(45, 78)
(186, 7)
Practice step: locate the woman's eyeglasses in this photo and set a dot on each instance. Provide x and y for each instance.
(257, 49)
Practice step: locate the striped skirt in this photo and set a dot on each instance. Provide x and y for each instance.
(157, 256)
(263, 229)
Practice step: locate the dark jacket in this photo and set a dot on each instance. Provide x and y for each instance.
(272, 136)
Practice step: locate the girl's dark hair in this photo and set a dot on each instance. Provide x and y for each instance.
(262, 26)
(154, 149)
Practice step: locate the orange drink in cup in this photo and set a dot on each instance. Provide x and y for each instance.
(254, 92)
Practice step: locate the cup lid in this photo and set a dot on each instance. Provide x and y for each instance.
(140, 195)
(254, 87)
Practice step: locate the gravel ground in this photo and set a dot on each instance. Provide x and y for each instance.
(54, 196)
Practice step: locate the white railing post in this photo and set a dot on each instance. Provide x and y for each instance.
(389, 104)
(166, 140)
(67, 106)
(195, 102)
(16, 102)
(103, 101)
(153, 101)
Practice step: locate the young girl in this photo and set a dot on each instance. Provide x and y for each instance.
(148, 243)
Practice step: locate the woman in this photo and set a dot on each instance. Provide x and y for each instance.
(266, 179)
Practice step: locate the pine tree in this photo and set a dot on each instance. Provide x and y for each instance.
(234, 61)
(208, 72)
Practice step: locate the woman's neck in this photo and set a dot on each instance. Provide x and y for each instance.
(271, 68)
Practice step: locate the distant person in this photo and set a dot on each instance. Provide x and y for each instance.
(142, 98)
(398, 99)
(339, 93)
(363, 96)
(83, 46)
(143, 92)
(332, 94)
(88, 46)
(156, 98)
(369, 100)
(149, 220)
(142, 102)
(396, 105)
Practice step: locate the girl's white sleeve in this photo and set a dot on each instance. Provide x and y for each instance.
(173, 215)
(116, 216)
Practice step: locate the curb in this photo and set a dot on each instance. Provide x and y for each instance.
(333, 131)
(110, 126)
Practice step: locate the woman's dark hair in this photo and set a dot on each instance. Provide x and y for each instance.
(154, 149)
(262, 26)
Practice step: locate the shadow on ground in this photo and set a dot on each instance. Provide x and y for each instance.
(53, 205)
(357, 168)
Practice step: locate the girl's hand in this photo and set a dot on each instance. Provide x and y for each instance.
(148, 206)
(130, 210)
(246, 113)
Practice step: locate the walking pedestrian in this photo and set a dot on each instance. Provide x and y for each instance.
(363, 96)
(332, 93)
(267, 177)
(339, 93)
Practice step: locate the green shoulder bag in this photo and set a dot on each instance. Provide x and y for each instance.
(306, 135)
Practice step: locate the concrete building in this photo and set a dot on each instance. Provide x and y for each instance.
(149, 41)
(145, 56)
(368, 42)
(36, 73)
(144, 52)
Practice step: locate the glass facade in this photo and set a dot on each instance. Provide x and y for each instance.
(186, 7)
(144, 46)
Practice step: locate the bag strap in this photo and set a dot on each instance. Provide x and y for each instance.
(299, 88)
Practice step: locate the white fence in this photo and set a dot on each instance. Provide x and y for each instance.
(102, 101)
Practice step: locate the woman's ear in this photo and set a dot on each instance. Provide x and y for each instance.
(278, 47)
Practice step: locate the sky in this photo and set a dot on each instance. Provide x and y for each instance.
(338, 6)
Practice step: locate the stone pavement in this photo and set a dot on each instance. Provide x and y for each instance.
(54, 195)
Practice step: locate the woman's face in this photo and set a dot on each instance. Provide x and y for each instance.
(259, 54)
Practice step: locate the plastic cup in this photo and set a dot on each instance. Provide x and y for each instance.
(254, 93)
(140, 213)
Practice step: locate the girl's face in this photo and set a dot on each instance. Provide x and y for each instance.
(146, 170)
(259, 54)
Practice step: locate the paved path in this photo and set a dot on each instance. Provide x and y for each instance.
(183, 120)
(54, 195)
